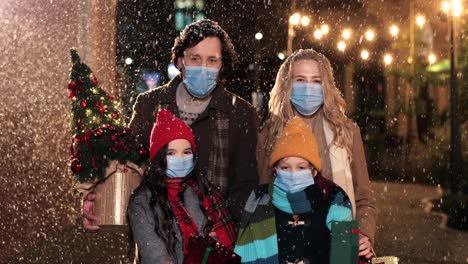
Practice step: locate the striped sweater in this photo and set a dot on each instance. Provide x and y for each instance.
(263, 229)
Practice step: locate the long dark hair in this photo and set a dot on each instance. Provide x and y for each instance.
(153, 180)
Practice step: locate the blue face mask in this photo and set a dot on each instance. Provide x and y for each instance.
(200, 80)
(307, 97)
(292, 182)
(179, 166)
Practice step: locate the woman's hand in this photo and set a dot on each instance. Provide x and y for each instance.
(365, 247)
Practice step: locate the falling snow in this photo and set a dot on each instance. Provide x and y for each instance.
(40, 218)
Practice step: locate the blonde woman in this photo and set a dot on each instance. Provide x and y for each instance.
(305, 87)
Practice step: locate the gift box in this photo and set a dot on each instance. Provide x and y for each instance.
(206, 250)
(385, 260)
(344, 243)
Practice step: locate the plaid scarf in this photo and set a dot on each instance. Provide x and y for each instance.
(218, 162)
(212, 207)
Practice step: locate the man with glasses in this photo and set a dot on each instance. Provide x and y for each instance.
(223, 124)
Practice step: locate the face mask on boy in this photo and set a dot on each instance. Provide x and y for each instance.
(200, 80)
(179, 166)
(307, 97)
(292, 182)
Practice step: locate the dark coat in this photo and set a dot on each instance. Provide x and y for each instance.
(225, 134)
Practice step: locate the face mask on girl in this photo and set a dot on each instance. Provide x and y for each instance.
(200, 80)
(292, 182)
(307, 97)
(179, 166)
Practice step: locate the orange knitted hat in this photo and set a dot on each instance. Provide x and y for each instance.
(296, 140)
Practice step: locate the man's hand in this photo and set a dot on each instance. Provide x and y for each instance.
(365, 247)
(88, 213)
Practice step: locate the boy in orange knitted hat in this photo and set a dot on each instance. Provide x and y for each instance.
(290, 220)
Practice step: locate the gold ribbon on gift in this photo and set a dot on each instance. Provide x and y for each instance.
(385, 260)
(113, 193)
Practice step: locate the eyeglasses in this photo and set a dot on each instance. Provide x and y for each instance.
(196, 60)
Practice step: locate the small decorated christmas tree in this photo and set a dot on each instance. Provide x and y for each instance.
(99, 132)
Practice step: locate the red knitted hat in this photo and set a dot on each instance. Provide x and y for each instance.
(166, 129)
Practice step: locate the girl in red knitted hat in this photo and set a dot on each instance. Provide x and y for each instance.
(174, 202)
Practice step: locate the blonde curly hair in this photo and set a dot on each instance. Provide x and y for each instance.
(333, 108)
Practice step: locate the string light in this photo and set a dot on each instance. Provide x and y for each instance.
(420, 20)
(318, 34)
(346, 34)
(365, 54)
(305, 20)
(445, 6)
(431, 58)
(325, 29)
(457, 8)
(394, 30)
(370, 35)
(295, 19)
(388, 59)
(341, 46)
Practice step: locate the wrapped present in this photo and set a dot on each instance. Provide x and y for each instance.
(344, 242)
(385, 260)
(206, 250)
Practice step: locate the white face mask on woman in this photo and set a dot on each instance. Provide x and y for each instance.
(307, 98)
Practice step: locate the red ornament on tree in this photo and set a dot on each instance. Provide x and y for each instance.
(97, 132)
(142, 152)
(87, 136)
(76, 166)
(115, 115)
(77, 138)
(83, 103)
(121, 144)
(100, 107)
(87, 139)
(94, 80)
(74, 87)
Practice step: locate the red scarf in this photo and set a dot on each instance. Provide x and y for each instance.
(213, 208)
